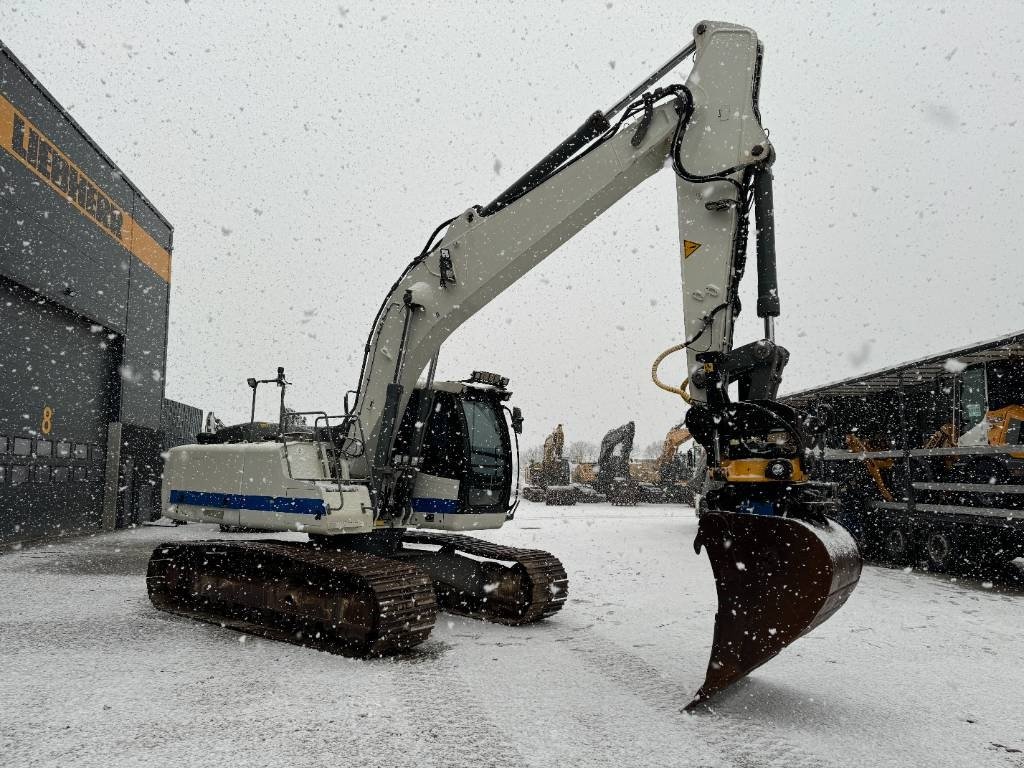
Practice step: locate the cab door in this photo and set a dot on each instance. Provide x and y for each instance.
(486, 485)
(465, 459)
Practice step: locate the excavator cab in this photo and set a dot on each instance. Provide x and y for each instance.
(464, 452)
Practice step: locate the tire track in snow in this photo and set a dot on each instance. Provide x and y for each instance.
(746, 744)
(571, 715)
(466, 735)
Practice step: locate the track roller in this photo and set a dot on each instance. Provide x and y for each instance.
(489, 581)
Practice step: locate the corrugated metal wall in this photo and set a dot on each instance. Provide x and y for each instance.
(179, 423)
(84, 287)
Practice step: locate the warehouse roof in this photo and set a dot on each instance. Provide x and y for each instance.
(916, 372)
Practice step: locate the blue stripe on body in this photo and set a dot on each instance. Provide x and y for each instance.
(444, 506)
(294, 506)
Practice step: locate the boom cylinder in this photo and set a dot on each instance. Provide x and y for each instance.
(595, 125)
(767, 278)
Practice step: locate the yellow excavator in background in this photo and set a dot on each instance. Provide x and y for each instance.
(548, 480)
(584, 480)
(680, 474)
(1000, 427)
(875, 467)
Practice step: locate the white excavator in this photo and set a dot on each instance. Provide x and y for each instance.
(382, 488)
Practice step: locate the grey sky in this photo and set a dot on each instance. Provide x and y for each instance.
(304, 151)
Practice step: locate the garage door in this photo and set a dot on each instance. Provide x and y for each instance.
(60, 389)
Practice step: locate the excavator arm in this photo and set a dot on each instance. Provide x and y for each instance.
(621, 438)
(673, 439)
(781, 565)
(613, 470)
(708, 131)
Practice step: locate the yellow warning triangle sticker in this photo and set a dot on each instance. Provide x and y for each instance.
(689, 247)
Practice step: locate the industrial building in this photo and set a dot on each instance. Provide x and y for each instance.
(85, 269)
(929, 455)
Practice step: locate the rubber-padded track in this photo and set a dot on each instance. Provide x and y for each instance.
(534, 587)
(339, 601)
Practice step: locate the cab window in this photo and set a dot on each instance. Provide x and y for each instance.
(1005, 384)
(973, 397)
(487, 482)
(442, 451)
(443, 445)
(486, 448)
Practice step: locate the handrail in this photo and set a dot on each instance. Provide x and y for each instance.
(838, 454)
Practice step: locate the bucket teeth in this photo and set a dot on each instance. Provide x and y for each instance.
(777, 578)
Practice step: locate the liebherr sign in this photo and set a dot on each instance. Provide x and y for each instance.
(24, 141)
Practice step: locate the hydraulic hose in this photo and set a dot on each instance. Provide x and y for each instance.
(681, 389)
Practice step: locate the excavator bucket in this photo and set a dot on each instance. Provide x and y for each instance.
(777, 579)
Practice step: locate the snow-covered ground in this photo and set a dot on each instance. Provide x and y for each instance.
(915, 670)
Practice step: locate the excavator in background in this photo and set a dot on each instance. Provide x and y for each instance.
(385, 490)
(875, 466)
(212, 423)
(998, 428)
(673, 476)
(548, 480)
(584, 478)
(615, 476)
(989, 411)
(680, 474)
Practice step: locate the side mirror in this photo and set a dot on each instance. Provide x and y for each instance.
(348, 402)
(517, 420)
(251, 383)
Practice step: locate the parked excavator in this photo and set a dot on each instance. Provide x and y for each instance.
(548, 480)
(997, 428)
(614, 475)
(680, 475)
(382, 488)
(584, 479)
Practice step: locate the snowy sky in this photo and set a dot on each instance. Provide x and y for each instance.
(304, 151)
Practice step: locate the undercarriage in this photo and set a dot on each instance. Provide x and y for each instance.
(368, 595)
